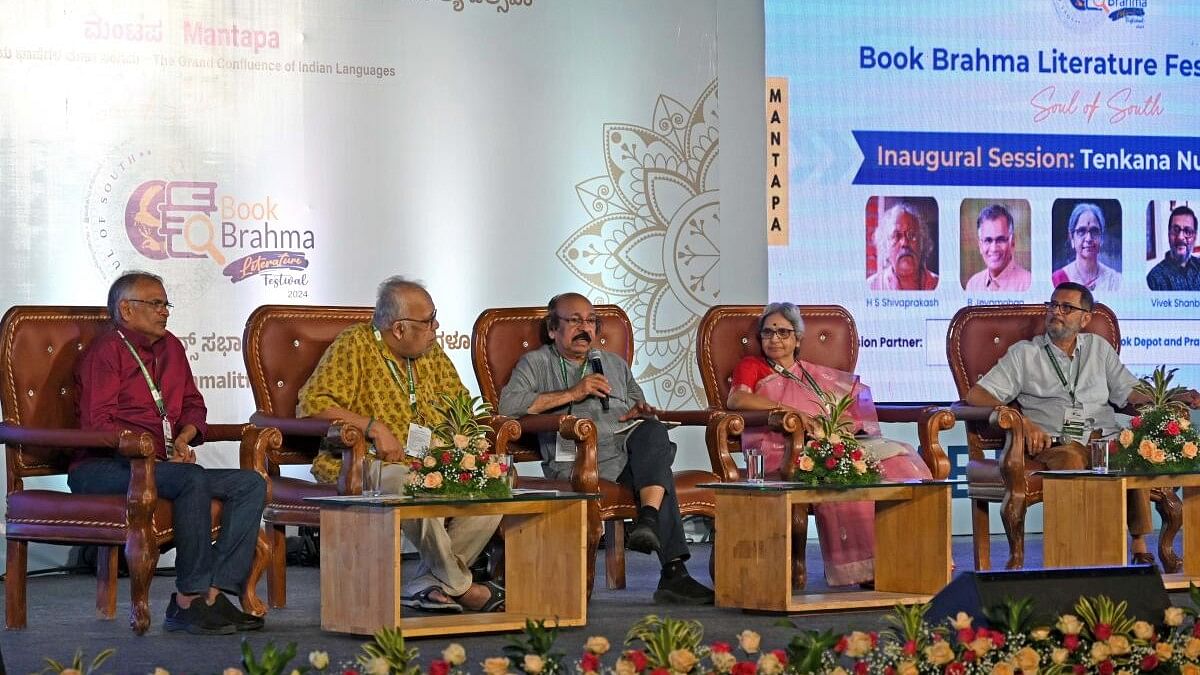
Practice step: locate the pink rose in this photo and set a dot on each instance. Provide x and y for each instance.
(1172, 428)
(1136, 422)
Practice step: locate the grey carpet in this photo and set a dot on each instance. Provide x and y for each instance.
(61, 619)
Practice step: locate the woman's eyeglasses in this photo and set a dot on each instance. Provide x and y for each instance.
(772, 333)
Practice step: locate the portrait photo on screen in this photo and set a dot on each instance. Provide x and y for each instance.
(1171, 260)
(902, 243)
(1085, 237)
(994, 250)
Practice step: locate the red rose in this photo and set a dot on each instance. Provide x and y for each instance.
(965, 635)
(841, 645)
(439, 667)
(504, 466)
(830, 463)
(350, 672)
(874, 638)
(656, 671)
(720, 648)
(744, 668)
(860, 668)
(1071, 642)
(1196, 629)
(445, 458)
(1078, 669)
(797, 460)
(889, 671)
(1136, 422)
(998, 639)
(638, 658)
(1106, 667)
(814, 445)
(856, 454)
(464, 476)
(1149, 662)
(909, 648)
(968, 655)
(1102, 631)
(781, 655)
(590, 663)
(1172, 428)
(839, 450)
(957, 668)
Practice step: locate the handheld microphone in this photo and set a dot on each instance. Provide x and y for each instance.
(598, 368)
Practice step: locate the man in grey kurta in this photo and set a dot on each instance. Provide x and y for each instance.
(558, 379)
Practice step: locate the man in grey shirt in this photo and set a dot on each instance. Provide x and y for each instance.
(1065, 381)
(558, 379)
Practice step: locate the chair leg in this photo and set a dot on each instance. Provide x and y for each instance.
(614, 553)
(981, 534)
(799, 546)
(594, 528)
(251, 603)
(107, 564)
(1170, 509)
(14, 584)
(277, 566)
(142, 556)
(1012, 512)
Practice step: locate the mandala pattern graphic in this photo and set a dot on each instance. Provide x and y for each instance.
(650, 244)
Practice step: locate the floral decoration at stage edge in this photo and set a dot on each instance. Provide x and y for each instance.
(834, 456)
(651, 244)
(1160, 437)
(459, 461)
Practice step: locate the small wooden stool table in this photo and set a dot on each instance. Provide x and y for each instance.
(754, 544)
(545, 547)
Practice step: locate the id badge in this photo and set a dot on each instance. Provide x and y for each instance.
(418, 440)
(1075, 425)
(168, 438)
(564, 449)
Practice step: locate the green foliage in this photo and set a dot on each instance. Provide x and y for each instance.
(388, 644)
(908, 623)
(1102, 610)
(806, 650)
(76, 663)
(274, 661)
(1011, 616)
(535, 639)
(661, 636)
(1157, 387)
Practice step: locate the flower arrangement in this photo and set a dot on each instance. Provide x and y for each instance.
(1160, 437)
(834, 456)
(459, 462)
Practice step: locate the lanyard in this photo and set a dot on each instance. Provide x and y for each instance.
(395, 371)
(562, 369)
(1063, 378)
(808, 378)
(159, 404)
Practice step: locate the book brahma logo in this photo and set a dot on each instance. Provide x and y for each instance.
(190, 220)
(1087, 14)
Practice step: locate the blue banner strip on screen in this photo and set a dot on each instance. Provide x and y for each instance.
(1042, 160)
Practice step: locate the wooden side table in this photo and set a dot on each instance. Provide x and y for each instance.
(754, 547)
(545, 547)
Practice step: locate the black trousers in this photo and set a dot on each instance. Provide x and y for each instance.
(651, 454)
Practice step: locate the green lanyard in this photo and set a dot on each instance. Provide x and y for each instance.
(562, 368)
(159, 404)
(808, 379)
(1063, 378)
(395, 371)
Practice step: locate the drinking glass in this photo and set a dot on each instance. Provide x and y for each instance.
(755, 465)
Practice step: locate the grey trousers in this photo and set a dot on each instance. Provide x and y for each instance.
(651, 454)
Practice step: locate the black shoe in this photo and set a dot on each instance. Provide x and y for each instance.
(240, 620)
(643, 538)
(197, 619)
(683, 590)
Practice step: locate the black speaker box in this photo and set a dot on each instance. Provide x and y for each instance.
(1054, 592)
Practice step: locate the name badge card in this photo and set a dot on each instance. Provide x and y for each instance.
(564, 449)
(1075, 425)
(418, 440)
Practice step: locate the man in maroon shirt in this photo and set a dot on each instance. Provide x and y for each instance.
(137, 377)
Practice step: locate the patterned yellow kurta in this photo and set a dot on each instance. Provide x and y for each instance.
(352, 375)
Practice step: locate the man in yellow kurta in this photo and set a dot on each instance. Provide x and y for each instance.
(386, 378)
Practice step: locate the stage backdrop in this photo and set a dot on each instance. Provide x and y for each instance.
(501, 151)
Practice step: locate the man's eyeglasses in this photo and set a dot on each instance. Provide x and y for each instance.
(155, 305)
(998, 241)
(1064, 308)
(427, 322)
(1186, 232)
(1082, 232)
(575, 322)
(772, 333)
(912, 236)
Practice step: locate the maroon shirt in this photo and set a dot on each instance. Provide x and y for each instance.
(113, 394)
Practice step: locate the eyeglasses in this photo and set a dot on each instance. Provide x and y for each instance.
(998, 241)
(1082, 232)
(772, 333)
(155, 305)
(428, 322)
(913, 236)
(1068, 310)
(574, 322)
(1186, 232)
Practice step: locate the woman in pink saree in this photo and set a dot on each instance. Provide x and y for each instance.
(780, 379)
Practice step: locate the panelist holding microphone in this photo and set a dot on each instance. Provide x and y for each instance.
(568, 376)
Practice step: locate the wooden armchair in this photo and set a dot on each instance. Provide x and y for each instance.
(977, 338)
(282, 345)
(500, 337)
(729, 332)
(38, 350)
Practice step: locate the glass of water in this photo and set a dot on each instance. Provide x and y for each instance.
(755, 465)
